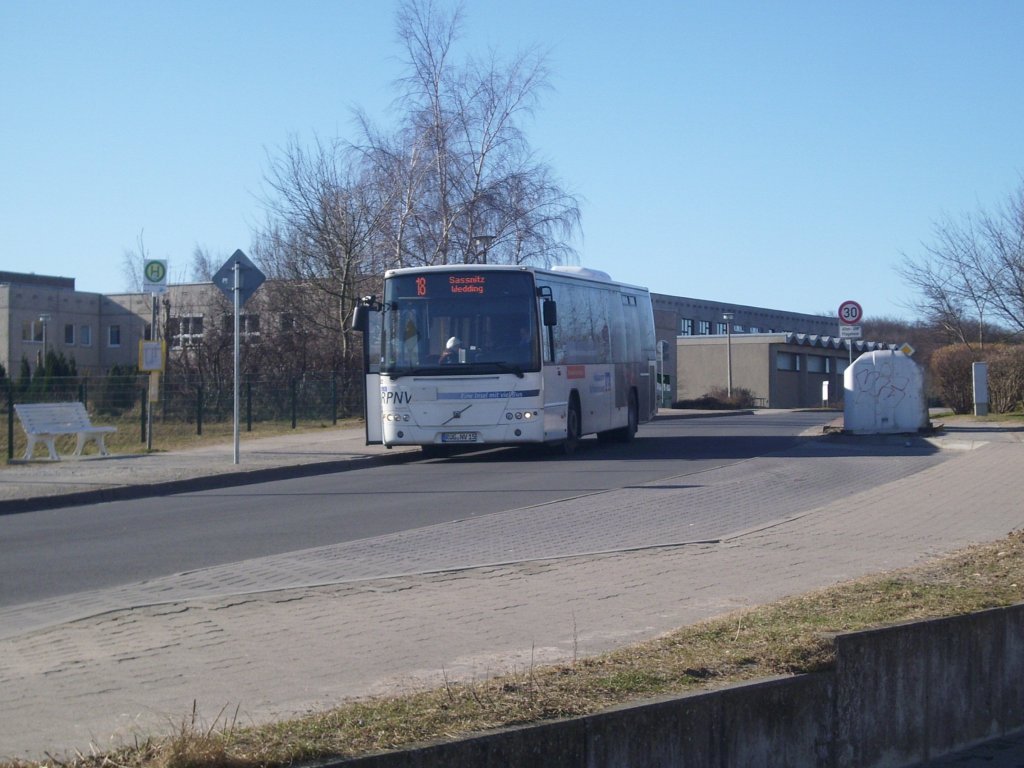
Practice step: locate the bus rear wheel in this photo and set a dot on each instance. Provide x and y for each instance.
(627, 433)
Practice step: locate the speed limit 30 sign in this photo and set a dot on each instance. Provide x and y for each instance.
(850, 313)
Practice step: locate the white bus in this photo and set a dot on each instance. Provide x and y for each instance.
(503, 355)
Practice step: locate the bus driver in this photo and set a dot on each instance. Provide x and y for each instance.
(451, 351)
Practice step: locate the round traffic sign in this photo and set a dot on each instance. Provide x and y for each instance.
(155, 271)
(850, 312)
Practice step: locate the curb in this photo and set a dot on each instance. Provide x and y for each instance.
(213, 482)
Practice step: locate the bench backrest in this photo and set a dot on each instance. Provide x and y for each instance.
(44, 417)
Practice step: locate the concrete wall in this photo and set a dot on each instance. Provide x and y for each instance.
(896, 697)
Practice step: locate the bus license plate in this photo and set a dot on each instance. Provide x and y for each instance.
(458, 437)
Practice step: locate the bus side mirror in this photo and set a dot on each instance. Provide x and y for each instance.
(361, 317)
(360, 314)
(550, 312)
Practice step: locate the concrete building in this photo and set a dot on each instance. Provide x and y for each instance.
(691, 331)
(40, 313)
(781, 370)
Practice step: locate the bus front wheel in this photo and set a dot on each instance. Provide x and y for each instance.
(572, 427)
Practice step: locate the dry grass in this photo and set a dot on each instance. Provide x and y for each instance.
(787, 637)
(1012, 418)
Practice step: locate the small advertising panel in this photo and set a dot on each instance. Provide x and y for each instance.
(151, 355)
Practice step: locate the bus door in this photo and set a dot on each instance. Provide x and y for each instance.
(649, 409)
(370, 320)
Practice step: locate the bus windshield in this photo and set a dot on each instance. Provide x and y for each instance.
(460, 321)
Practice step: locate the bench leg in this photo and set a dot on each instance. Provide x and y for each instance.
(83, 439)
(49, 447)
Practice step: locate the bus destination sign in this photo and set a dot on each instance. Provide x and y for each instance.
(468, 284)
(457, 284)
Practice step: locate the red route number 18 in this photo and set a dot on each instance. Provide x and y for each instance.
(421, 286)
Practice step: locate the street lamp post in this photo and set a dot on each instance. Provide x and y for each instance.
(44, 319)
(480, 244)
(728, 316)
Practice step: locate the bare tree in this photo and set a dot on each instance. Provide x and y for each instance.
(204, 265)
(133, 260)
(459, 168)
(320, 235)
(455, 174)
(972, 276)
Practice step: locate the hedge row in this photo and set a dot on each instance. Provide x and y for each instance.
(953, 382)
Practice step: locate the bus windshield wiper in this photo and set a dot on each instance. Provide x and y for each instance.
(509, 368)
(400, 372)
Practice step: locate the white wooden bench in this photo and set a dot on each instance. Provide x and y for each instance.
(45, 422)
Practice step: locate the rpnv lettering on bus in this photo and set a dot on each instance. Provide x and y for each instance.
(504, 355)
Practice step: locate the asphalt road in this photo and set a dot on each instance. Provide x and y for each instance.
(47, 554)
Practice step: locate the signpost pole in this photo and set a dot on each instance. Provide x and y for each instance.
(850, 314)
(238, 278)
(238, 291)
(154, 281)
(149, 400)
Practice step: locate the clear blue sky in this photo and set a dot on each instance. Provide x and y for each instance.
(780, 154)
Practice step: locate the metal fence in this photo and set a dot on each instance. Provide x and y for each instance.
(124, 399)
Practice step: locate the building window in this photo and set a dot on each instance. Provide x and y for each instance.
(704, 327)
(85, 335)
(721, 329)
(754, 329)
(818, 364)
(248, 326)
(185, 331)
(69, 334)
(114, 336)
(687, 327)
(287, 322)
(32, 330)
(787, 361)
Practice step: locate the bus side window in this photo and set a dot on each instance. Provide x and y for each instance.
(546, 332)
(618, 322)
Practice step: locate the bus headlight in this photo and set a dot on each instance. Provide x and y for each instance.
(520, 415)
